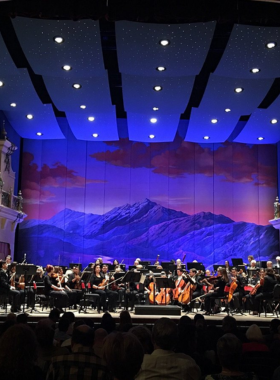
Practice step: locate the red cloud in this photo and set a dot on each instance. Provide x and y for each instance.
(235, 162)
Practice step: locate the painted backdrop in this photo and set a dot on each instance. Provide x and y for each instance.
(128, 199)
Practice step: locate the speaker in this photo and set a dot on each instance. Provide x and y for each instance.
(157, 310)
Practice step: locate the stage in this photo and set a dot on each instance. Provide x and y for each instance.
(216, 319)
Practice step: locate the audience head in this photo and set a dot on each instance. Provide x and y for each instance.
(199, 321)
(164, 334)
(254, 333)
(274, 324)
(22, 318)
(99, 336)
(69, 316)
(229, 350)
(125, 321)
(229, 324)
(123, 354)
(144, 335)
(54, 315)
(63, 324)
(44, 333)
(82, 336)
(108, 323)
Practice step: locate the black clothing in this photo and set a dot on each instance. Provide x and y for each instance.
(61, 299)
(209, 298)
(6, 289)
(266, 292)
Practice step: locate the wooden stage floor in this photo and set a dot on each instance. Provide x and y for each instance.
(242, 320)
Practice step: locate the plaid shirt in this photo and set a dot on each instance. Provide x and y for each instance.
(80, 365)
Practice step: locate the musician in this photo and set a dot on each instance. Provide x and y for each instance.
(7, 289)
(196, 280)
(111, 294)
(115, 262)
(267, 290)
(8, 259)
(97, 280)
(74, 285)
(53, 289)
(269, 265)
(239, 293)
(277, 262)
(219, 284)
(19, 283)
(227, 266)
(253, 264)
(130, 295)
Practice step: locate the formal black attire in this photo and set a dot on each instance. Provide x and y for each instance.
(76, 293)
(5, 289)
(267, 291)
(239, 292)
(61, 299)
(130, 295)
(96, 281)
(112, 296)
(209, 298)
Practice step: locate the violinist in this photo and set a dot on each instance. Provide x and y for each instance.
(269, 281)
(219, 286)
(111, 294)
(8, 289)
(74, 286)
(54, 289)
(97, 283)
(74, 279)
(117, 285)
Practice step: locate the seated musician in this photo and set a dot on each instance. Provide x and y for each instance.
(269, 265)
(219, 286)
(253, 265)
(8, 259)
(238, 293)
(267, 290)
(111, 294)
(250, 259)
(131, 292)
(277, 262)
(53, 289)
(97, 281)
(39, 276)
(73, 284)
(7, 288)
(196, 280)
(148, 289)
(179, 284)
(19, 283)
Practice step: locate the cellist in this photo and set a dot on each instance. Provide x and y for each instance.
(236, 291)
(179, 284)
(220, 284)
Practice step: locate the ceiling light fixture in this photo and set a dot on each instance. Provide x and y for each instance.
(227, 110)
(161, 68)
(206, 137)
(83, 107)
(39, 134)
(77, 86)
(13, 104)
(67, 67)
(157, 88)
(58, 39)
(271, 45)
(238, 90)
(155, 108)
(164, 42)
(90, 118)
(153, 120)
(214, 121)
(152, 136)
(29, 116)
(274, 121)
(1, 83)
(255, 70)
(95, 135)
(260, 138)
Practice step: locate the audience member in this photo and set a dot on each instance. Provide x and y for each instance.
(22, 318)
(60, 334)
(123, 354)
(163, 360)
(229, 350)
(255, 338)
(144, 335)
(82, 363)
(108, 323)
(99, 336)
(125, 321)
(18, 354)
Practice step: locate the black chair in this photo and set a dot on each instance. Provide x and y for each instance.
(4, 300)
(89, 299)
(273, 302)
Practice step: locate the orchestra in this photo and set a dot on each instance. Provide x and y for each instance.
(237, 288)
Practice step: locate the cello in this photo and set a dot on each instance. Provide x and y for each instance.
(232, 288)
(186, 296)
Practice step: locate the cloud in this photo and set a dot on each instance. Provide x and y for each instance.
(35, 181)
(232, 161)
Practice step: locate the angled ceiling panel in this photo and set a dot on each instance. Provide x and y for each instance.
(104, 125)
(219, 96)
(7, 66)
(139, 50)
(259, 125)
(246, 49)
(81, 48)
(19, 90)
(140, 127)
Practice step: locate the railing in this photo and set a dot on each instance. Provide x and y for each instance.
(14, 202)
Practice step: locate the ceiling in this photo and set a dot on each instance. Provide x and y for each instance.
(114, 50)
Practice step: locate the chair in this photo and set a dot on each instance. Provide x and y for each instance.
(274, 300)
(4, 300)
(87, 300)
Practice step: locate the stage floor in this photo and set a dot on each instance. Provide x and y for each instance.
(242, 320)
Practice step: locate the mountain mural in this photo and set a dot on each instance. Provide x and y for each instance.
(143, 229)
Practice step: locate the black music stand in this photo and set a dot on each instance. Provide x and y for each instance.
(72, 265)
(26, 270)
(132, 277)
(165, 283)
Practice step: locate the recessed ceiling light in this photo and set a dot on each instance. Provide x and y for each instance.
(255, 70)
(29, 116)
(214, 121)
(274, 121)
(67, 67)
(39, 134)
(227, 110)
(238, 89)
(206, 137)
(153, 120)
(161, 68)
(13, 104)
(164, 42)
(271, 45)
(152, 136)
(260, 138)
(155, 108)
(157, 88)
(58, 39)
(1, 83)
(95, 135)
(76, 86)
(90, 118)
(83, 107)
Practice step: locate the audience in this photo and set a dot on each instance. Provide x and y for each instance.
(125, 321)
(255, 340)
(99, 336)
(108, 323)
(144, 335)
(123, 355)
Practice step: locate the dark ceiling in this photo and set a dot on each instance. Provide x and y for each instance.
(214, 44)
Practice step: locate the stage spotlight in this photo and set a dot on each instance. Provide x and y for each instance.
(255, 70)
(271, 45)
(77, 86)
(90, 118)
(83, 107)
(227, 110)
(58, 39)
(153, 120)
(161, 68)
(13, 104)
(206, 137)
(157, 88)
(95, 135)
(155, 108)
(274, 121)
(29, 116)
(214, 121)
(152, 136)
(238, 90)
(164, 42)
(67, 67)
(260, 138)
(39, 134)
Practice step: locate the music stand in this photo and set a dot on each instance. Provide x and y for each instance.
(145, 263)
(196, 266)
(165, 283)
(237, 262)
(26, 270)
(132, 277)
